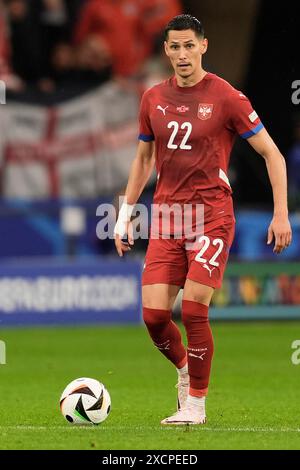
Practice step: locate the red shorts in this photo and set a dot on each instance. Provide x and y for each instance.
(173, 261)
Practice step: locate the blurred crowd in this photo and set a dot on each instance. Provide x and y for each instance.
(47, 43)
(294, 167)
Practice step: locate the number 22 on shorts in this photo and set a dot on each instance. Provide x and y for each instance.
(206, 243)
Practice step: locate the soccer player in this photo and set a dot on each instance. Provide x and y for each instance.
(188, 125)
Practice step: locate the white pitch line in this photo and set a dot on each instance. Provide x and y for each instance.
(251, 429)
(144, 428)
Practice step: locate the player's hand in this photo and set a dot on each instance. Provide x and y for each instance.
(122, 246)
(280, 230)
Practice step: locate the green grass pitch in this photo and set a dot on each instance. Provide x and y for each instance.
(254, 400)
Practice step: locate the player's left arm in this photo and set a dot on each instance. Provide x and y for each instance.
(280, 227)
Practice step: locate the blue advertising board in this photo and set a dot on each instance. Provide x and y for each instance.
(62, 292)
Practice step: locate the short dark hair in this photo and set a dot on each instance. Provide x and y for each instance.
(183, 22)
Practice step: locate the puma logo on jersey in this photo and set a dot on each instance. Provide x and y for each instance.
(163, 110)
(208, 269)
(197, 357)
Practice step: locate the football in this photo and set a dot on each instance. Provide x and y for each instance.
(85, 401)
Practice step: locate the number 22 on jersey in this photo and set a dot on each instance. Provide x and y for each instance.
(175, 126)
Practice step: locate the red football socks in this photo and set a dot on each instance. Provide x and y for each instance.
(200, 346)
(165, 335)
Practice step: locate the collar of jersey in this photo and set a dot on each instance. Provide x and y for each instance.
(190, 89)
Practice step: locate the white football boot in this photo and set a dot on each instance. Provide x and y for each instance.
(182, 390)
(188, 414)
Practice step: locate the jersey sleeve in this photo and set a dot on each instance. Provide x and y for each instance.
(146, 133)
(243, 119)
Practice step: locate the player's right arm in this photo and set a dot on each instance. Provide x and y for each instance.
(140, 172)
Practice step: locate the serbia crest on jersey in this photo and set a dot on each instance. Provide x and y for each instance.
(205, 111)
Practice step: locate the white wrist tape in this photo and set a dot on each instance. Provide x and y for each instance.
(123, 219)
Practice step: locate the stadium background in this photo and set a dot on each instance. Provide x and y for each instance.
(68, 136)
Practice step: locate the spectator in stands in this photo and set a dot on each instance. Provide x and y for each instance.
(126, 31)
(63, 61)
(53, 17)
(12, 81)
(28, 58)
(38, 27)
(105, 35)
(56, 41)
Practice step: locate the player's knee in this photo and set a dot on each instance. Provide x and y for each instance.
(154, 317)
(195, 292)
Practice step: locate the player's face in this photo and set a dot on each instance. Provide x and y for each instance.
(185, 51)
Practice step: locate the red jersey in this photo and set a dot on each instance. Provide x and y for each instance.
(194, 130)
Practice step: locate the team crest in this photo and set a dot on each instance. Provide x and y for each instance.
(205, 111)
